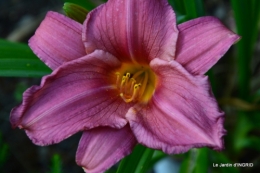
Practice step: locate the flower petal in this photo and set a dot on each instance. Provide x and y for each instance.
(181, 114)
(202, 42)
(57, 40)
(76, 96)
(132, 30)
(102, 147)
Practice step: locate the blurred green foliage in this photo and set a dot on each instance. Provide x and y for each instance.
(3, 151)
(56, 166)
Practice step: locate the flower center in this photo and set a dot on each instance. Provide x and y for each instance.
(135, 83)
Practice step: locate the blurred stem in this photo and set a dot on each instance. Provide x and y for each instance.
(3, 151)
(56, 164)
(137, 162)
(144, 162)
(178, 5)
(212, 81)
(194, 8)
(247, 17)
(243, 127)
(195, 161)
(200, 8)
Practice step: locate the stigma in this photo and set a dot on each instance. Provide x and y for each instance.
(135, 83)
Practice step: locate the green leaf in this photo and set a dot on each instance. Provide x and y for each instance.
(111, 170)
(56, 164)
(19, 90)
(144, 162)
(190, 7)
(247, 15)
(75, 12)
(194, 8)
(241, 132)
(244, 134)
(137, 162)
(196, 161)
(186, 165)
(84, 3)
(17, 60)
(178, 5)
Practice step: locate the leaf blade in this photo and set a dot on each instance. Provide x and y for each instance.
(17, 60)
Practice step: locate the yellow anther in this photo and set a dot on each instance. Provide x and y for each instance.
(127, 75)
(137, 86)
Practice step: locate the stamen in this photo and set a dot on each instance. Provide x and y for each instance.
(144, 83)
(122, 84)
(127, 76)
(132, 84)
(117, 79)
(136, 89)
(135, 83)
(134, 96)
(130, 88)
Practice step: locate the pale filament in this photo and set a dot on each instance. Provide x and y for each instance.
(134, 95)
(132, 85)
(117, 79)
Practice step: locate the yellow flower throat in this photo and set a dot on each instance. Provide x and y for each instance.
(135, 83)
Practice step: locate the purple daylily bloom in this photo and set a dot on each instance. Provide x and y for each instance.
(128, 75)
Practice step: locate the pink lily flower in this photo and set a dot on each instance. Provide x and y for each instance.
(128, 75)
